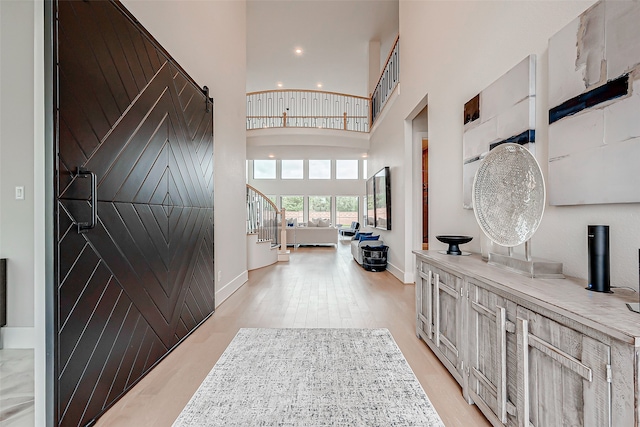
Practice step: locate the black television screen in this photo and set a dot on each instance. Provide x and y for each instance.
(382, 199)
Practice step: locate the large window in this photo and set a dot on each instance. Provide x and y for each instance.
(320, 207)
(294, 206)
(319, 169)
(346, 209)
(264, 169)
(292, 169)
(346, 169)
(370, 217)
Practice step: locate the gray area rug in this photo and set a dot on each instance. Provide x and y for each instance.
(310, 377)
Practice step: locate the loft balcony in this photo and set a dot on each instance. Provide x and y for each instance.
(314, 109)
(307, 109)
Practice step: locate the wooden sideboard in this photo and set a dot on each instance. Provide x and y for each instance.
(530, 352)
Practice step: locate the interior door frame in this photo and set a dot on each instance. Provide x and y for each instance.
(49, 250)
(413, 189)
(417, 138)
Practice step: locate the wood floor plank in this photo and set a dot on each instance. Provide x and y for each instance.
(318, 287)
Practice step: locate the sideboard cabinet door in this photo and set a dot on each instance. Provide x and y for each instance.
(564, 376)
(491, 354)
(439, 311)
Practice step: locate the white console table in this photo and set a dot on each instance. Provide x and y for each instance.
(531, 352)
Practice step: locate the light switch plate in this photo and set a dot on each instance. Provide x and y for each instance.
(19, 193)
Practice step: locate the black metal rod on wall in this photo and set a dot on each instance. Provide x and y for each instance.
(3, 292)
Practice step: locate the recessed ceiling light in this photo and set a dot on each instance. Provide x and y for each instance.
(298, 51)
(271, 156)
(319, 85)
(279, 84)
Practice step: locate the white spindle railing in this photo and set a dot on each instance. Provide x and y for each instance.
(307, 109)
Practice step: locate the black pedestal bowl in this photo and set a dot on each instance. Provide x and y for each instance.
(453, 242)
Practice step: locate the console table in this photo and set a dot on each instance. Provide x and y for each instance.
(530, 352)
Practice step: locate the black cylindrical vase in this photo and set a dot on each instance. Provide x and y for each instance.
(598, 245)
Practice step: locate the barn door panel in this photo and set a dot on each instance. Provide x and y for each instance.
(130, 288)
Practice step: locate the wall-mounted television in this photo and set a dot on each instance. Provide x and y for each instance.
(370, 211)
(378, 200)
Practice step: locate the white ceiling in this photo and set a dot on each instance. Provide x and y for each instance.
(334, 35)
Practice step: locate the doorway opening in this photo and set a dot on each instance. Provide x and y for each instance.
(420, 176)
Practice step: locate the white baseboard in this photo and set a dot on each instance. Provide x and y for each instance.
(227, 290)
(17, 337)
(409, 277)
(399, 274)
(403, 276)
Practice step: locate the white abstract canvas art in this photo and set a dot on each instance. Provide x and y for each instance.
(503, 112)
(594, 100)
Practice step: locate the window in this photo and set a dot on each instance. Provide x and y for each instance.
(319, 169)
(294, 206)
(274, 199)
(364, 169)
(346, 209)
(320, 207)
(292, 169)
(346, 169)
(264, 169)
(370, 217)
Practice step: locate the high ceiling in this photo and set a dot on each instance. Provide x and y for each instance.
(333, 34)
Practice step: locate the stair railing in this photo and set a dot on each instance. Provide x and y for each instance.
(262, 217)
(387, 82)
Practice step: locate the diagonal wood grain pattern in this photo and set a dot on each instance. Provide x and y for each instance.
(131, 288)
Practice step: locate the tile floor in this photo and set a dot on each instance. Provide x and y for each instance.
(16, 388)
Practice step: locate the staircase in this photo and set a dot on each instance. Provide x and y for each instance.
(266, 243)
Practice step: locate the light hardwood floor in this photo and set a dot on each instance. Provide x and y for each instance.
(319, 287)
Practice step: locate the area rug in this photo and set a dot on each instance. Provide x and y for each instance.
(310, 377)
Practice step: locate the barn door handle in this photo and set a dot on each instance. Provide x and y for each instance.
(83, 227)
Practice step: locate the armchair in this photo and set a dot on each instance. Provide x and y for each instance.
(351, 231)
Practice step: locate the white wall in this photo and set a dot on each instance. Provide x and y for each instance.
(16, 167)
(208, 39)
(22, 164)
(387, 149)
(450, 51)
(290, 141)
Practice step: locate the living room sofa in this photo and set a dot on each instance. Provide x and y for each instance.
(312, 235)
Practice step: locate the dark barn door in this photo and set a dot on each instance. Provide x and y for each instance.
(134, 149)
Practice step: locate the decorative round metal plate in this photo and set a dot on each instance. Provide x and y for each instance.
(509, 195)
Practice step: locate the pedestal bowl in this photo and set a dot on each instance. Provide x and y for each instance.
(453, 242)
